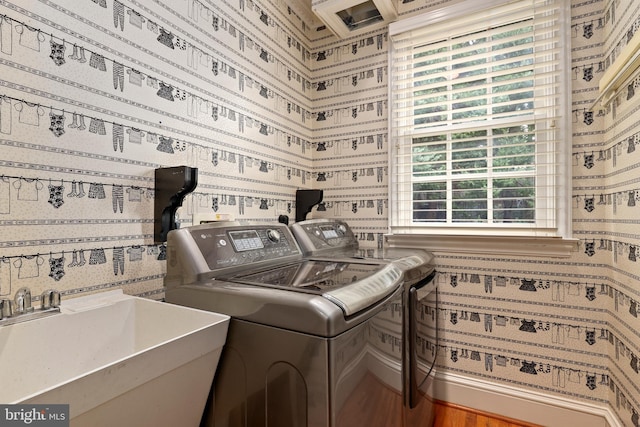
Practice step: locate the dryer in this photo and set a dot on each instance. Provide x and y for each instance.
(334, 239)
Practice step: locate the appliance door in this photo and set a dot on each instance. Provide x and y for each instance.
(422, 348)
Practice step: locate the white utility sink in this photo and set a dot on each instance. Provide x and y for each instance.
(117, 360)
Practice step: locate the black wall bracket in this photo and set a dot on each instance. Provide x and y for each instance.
(172, 184)
(305, 200)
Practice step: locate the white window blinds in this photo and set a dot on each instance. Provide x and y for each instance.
(478, 122)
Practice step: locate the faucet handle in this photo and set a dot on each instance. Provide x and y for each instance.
(50, 299)
(23, 301)
(6, 308)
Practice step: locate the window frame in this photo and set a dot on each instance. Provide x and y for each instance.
(486, 238)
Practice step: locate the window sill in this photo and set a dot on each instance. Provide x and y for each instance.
(551, 247)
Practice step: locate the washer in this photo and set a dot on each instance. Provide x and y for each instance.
(308, 338)
(334, 239)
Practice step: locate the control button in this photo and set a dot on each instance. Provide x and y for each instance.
(341, 229)
(273, 235)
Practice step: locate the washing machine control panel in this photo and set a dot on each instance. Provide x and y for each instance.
(323, 234)
(233, 246)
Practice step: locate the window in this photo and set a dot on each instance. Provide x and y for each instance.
(479, 131)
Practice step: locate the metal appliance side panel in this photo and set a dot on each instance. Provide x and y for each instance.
(184, 260)
(367, 370)
(270, 377)
(421, 349)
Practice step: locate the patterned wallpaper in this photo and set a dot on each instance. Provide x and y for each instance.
(95, 95)
(566, 327)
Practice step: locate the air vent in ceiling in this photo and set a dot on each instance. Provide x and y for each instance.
(346, 18)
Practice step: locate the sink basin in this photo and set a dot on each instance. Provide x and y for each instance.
(116, 360)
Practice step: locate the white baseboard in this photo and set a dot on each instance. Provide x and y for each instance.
(525, 405)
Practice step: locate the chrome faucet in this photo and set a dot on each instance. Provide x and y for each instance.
(23, 301)
(21, 309)
(6, 308)
(50, 299)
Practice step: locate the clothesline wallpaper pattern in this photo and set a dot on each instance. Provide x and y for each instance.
(217, 153)
(29, 114)
(166, 90)
(323, 104)
(588, 158)
(28, 189)
(165, 38)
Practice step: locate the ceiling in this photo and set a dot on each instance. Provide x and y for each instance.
(303, 9)
(326, 15)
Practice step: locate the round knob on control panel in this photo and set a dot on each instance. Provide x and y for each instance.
(341, 229)
(273, 235)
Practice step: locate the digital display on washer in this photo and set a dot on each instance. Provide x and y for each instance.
(329, 232)
(245, 240)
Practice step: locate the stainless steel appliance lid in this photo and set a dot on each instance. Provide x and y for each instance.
(313, 276)
(293, 311)
(353, 286)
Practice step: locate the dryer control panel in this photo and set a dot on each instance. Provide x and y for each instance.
(318, 235)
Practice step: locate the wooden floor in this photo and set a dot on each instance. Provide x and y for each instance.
(373, 404)
(450, 415)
